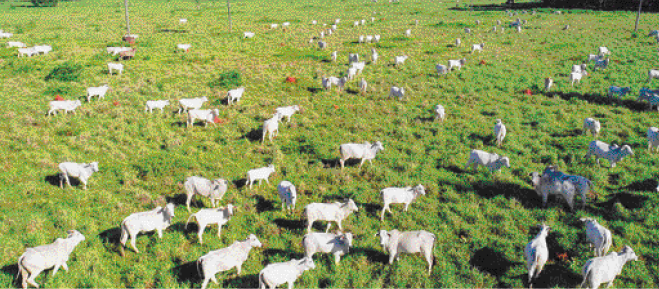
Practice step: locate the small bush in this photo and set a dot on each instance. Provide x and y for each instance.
(230, 79)
(65, 72)
(44, 3)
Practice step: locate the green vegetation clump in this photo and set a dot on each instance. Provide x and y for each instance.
(44, 3)
(229, 79)
(65, 72)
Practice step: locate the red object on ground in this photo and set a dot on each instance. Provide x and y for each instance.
(482, 62)
(282, 44)
(59, 97)
(528, 92)
(217, 120)
(336, 106)
(187, 50)
(291, 79)
(116, 103)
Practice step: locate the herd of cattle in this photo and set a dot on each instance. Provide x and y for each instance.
(601, 269)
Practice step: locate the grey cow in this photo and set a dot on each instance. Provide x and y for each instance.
(226, 258)
(214, 190)
(396, 242)
(82, 171)
(37, 259)
(554, 182)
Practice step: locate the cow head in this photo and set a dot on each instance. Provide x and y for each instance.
(384, 238)
(628, 253)
(253, 241)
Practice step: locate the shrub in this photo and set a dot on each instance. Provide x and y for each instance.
(230, 79)
(44, 3)
(65, 72)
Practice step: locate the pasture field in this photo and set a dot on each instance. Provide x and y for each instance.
(482, 221)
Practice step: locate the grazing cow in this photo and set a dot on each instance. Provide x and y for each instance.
(226, 258)
(82, 171)
(604, 269)
(396, 242)
(536, 253)
(157, 219)
(205, 217)
(214, 190)
(365, 151)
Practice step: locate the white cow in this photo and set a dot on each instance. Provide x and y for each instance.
(456, 63)
(397, 195)
(396, 242)
(548, 83)
(65, 105)
(191, 103)
(115, 66)
(397, 92)
(284, 272)
(362, 86)
(287, 194)
(653, 138)
(604, 269)
(591, 125)
(248, 34)
(15, 44)
(207, 115)
(440, 113)
(400, 60)
(499, 132)
(82, 171)
(536, 253)
(554, 182)
(36, 260)
(597, 236)
(613, 153)
(205, 217)
(576, 77)
(214, 190)
(151, 104)
(477, 47)
(271, 127)
(331, 212)
(494, 162)
(287, 111)
(27, 51)
(336, 244)
(97, 91)
(260, 174)
(365, 151)
(235, 94)
(226, 258)
(157, 219)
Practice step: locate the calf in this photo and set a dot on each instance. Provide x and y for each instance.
(151, 104)
(65, 105)
(235, 94)
(494, 162)
(396, 195)
(97, 91)
(260, 174)
(207, 115)
(287, 194)
(613, 153)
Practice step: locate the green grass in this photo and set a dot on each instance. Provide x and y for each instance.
(482, 221)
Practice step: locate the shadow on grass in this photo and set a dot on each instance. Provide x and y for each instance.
(263, 205)
(373, 256)
(291, 225)
(627, 200)
(254, 135)
(553, 276)
(642, 186)
(601, 99)
(11, 270)
(282, 253)
(372, 210)
(314, 90)
(492, 262)
(172, 31)
(187, 272)
(110, 239)
(424, 119)
(54, 180)
(527, 197)
(247, 281)
(179, 200)
(486, 139)
(240, 183)
(568, 133)
(179, 124)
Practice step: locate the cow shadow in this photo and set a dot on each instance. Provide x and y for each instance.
(453, 169)
(292, 225)
(642, 186)
(263, 205)
(373, 256)
(246, 281)
(179, 124)
(526, 197)
(313, 90)
(555, 275)
(601, 99)
(180, 199)
(240, 183)
(11, 270)
(490, 261)
(54, 180)
(568, 133)
(371, 209)
(281, 253)
(181, 227)
(254, 135)
(352, 91)
(187, 272)
(110, 239)
(627, 200)
(424, 119)
(172, 31)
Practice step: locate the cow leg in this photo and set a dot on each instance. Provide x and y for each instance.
(65, 267)
(406, 206)
(268, 182)
(238, 269)
(33, 275)
(84, 184)
(341, 161)
(66, 177)
(383, 210)
(337, 258)
(188, 200)
(290, 284)
(132, 243)
(159, 233)
(200, 233)
(545, 196)
(56, 269)
(205, 283)
(392, 257)
(309, 226)
(219, 229)
(339, 223)
(361, 163)
(329, 224)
